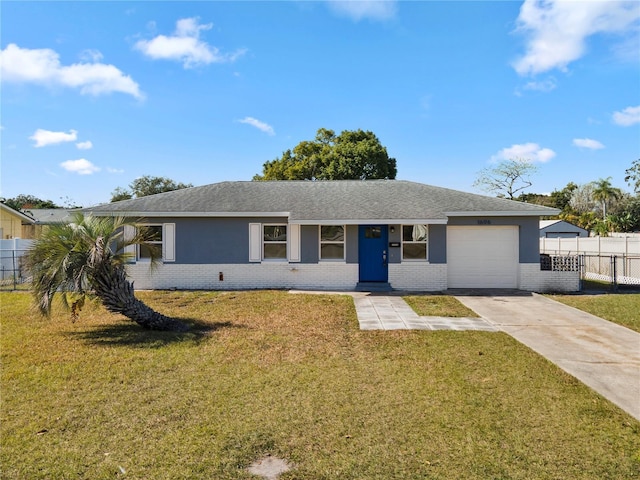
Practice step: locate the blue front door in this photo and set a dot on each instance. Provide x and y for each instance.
(372, 253)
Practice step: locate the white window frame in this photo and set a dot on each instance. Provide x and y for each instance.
(285, 242)
(413, 242)
(167, 245)
(343, 243)
(160, 243)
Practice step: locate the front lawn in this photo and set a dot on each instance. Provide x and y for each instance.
(292, 376)
(438, 306)
(622, 308)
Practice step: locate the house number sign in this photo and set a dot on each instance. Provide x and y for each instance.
(484, 222)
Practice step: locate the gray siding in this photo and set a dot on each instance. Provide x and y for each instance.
(395, 253)
(226, 240)
(309, 241)
(437, 243)
(213, 240)
(352, 243)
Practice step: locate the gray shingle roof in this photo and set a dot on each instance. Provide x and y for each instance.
(348, 201)
(44, 216)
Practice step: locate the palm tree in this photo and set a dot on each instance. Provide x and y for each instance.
(603, 191)
(87, 257)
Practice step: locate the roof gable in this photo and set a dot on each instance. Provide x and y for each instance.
(560, 225)
(345, 201)
(10, 211)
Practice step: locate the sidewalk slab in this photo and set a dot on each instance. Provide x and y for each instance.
(381, 312)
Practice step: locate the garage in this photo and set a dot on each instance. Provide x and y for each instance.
(482, 256)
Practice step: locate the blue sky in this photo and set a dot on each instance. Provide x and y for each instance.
(96, 94)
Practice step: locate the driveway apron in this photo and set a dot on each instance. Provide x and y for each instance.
(601, 354)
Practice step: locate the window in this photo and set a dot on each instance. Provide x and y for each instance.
(414, 242)
(373, 232)
(331, 242)
(155, 238)
(274, 242)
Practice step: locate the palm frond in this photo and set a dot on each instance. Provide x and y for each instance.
(66, 256)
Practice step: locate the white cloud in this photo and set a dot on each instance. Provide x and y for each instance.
(557, 30)
(91, 55)
(114, 170)
(47, 137)
(82, 166)
(84, 145)
(588, 143)
(185, 46)
(359, 9)
(531, 152)
(627, 117)
(541, 86)
(42, 66)
(627, 50)
(266, 128)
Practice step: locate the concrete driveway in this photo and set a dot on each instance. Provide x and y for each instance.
(603, 355)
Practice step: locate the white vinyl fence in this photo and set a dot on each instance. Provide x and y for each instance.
(610, 259)
(591, 245)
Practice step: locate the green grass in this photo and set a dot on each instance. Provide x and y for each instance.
(293, 376)
(622, 308)
(438, 306)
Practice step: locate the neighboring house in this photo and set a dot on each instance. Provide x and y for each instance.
(45, 216)
(11, 222)
(339, 235)
(561, 229)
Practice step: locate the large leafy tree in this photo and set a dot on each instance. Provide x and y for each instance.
(23, 201)
(632, 176)
(559, 199)
(507, 178)
(147, 185)
(87, 257)
(562, 198)
(352, 155)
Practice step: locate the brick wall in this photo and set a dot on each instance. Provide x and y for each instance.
(535, 280)
(426, 277)
(323, 276)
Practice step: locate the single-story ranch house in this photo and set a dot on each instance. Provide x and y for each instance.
(339, 235)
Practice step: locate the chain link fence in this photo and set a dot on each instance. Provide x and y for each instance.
(13, 275)
(614, 260)
(614, 269)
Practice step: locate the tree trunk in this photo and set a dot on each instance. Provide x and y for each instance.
(117, 295)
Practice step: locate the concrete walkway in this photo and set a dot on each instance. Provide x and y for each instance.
(601, 354)
(387, 312)
(381, 311)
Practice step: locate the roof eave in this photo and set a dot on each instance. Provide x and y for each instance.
(371, 221)
(505, 213)
(148, 214)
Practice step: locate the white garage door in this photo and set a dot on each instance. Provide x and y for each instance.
(482, 257)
